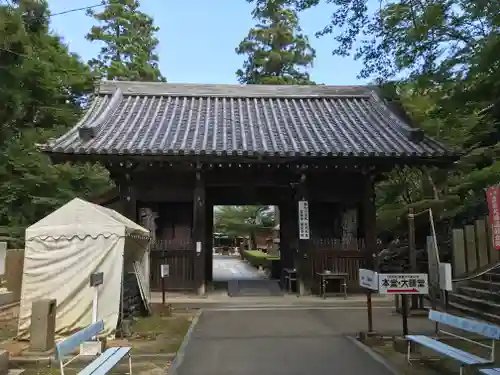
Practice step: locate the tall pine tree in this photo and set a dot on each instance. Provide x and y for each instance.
(129, 51)
(277, 51)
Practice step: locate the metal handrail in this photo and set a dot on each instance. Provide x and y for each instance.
(476, 275)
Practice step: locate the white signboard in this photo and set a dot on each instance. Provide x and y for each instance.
(403, 283)
(368, 279)
(303, 220)
(90, 348)
(445, 280)
(3, 254)
(165, 270)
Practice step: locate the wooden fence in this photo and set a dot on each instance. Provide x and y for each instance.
(472, 248)
(337, 256)
(181, 258)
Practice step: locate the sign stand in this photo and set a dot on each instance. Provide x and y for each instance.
(164, 273)
(404, 307)
(445, 284)
(398, 284)
(369, 279)
(92, 348)
(369, 309)
(404, 285)
(96, 279)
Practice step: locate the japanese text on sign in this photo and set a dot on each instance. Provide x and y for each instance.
(409, 283)
(303, 220)
(368, 279)
(493, 197)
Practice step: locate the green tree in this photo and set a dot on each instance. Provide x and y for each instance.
(277, 51)
(43, 88)
(443, 54)
(128, 35)
(243, 220)
(31, 62)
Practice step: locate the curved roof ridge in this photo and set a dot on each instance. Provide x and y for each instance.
(397, 123)
(231, 90)
(91, 128)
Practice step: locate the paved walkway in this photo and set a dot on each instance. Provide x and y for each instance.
(226, 267)
(291, 342)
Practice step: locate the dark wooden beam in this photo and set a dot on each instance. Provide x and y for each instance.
(128, 197)
(198, 234)
(370, 220)
(304, 279)
(350, 161)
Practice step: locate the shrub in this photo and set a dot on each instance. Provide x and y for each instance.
(258, 258)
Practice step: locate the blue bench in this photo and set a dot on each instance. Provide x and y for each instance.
(103, 363)
(485, 366)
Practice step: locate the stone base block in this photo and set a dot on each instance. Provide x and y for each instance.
(4, 362)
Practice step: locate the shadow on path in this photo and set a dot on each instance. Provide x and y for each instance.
(278, 342)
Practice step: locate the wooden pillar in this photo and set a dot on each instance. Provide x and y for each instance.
(303, 245)
(370, 222)
(198, 235)
(208, 248)
(128, 196)
(288, 233)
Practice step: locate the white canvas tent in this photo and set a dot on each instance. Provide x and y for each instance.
(64, 249)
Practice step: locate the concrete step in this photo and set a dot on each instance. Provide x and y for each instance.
(479, 293)
(492, 286)
(493, 275)
(257, 287)
(481, 305)
(475, 313)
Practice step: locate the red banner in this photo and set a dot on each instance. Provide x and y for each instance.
(493, 197)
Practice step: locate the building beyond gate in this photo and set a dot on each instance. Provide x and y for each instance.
(176, 150)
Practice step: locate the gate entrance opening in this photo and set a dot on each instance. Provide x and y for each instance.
(245, 250)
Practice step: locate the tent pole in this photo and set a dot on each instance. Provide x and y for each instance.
(94, 304)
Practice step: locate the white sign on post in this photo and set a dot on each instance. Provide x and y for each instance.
(403, 283)
(96, 279)
(165, 270)
(368, 279)
(445, 280)
(3, 255)
(303, 220)
(92, 348)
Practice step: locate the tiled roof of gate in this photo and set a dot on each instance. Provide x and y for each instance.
(128, 118)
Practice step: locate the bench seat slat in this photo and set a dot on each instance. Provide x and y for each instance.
(450, 351)
(490, 371)
(106, 361)
(470, 325)
(98, 361)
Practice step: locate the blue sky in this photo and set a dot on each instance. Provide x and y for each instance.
(198, 38)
